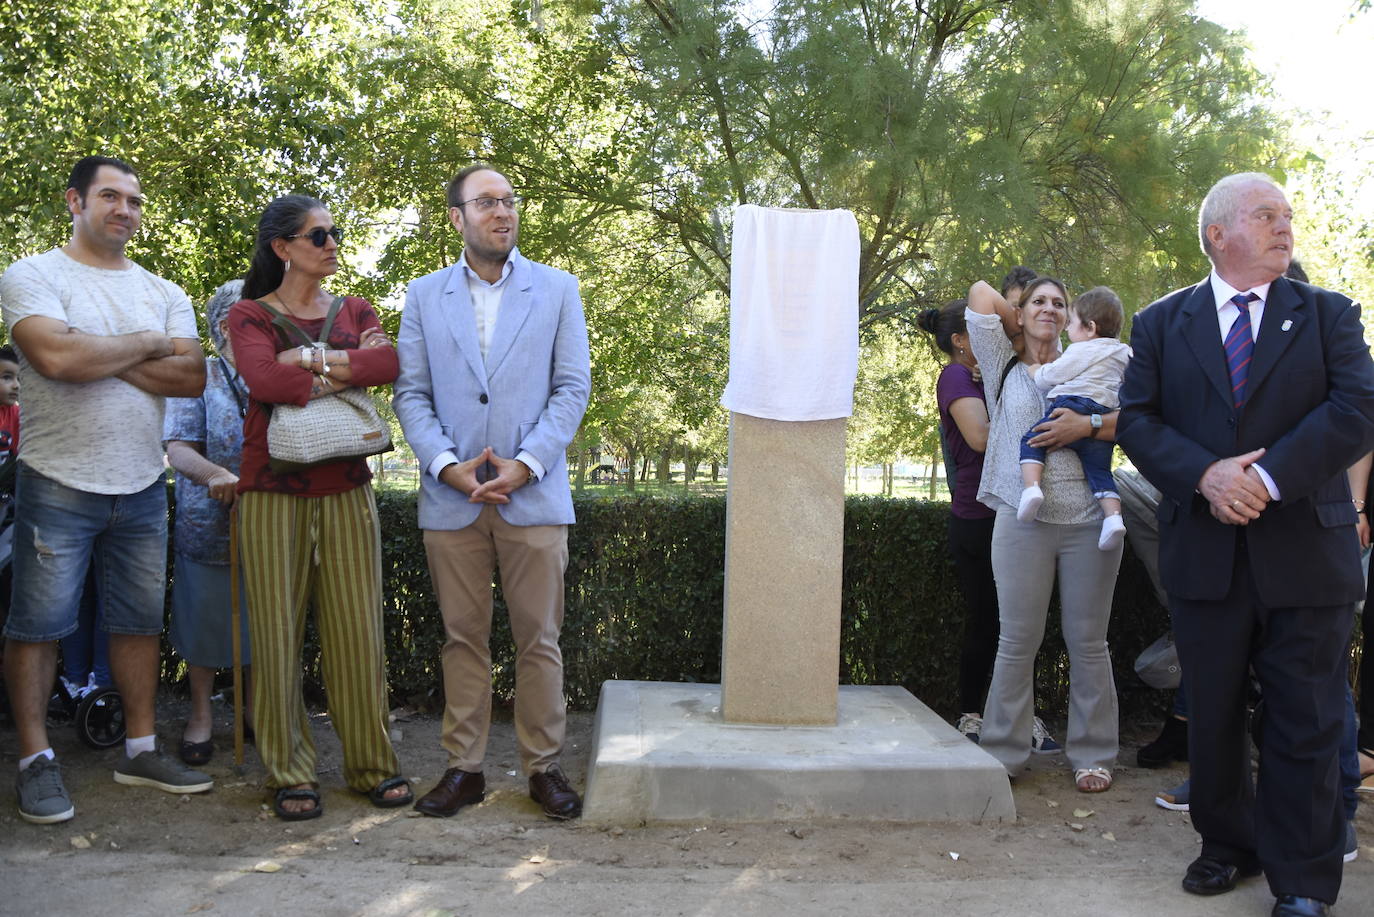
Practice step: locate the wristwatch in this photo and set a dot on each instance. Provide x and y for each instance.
(1096, 421)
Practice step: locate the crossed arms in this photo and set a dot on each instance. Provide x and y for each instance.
(148, 360)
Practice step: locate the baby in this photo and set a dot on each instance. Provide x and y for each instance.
(1085, 379)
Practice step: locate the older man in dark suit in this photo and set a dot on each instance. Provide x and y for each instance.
(1248, 397)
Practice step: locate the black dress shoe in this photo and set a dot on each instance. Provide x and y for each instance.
(1208, 876)
(457, 788)
(551, 790)
(1170, 745)
(1293, 906)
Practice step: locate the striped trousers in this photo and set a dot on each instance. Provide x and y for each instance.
(325, 553)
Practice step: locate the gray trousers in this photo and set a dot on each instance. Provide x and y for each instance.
(1025, 559)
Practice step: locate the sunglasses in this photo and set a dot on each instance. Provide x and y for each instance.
(318, 235)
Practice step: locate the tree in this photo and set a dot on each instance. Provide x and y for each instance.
(219, 106)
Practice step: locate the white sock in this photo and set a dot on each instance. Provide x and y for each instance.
(135, 747)
(1113, 530)
(1031, 498)
(45, 753)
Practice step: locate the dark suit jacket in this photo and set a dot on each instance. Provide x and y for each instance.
(1310, 403)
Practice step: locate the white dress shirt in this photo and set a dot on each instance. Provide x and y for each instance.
(486, 306)
(1227, 312)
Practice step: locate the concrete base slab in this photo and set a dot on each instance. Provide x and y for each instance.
(662, 753)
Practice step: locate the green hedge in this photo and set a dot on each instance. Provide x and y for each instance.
(645, 585)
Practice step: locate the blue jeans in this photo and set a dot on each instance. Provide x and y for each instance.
(59, 532)
(1094, 454)
(86, 650)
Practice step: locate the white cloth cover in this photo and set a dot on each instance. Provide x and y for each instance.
(794, 313)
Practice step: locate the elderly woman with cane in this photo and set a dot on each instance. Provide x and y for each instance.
(204, 438)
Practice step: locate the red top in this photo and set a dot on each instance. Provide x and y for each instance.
(9, 428)
(256, 343)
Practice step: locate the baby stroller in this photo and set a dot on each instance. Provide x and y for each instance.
(83, 694)
(97, 713)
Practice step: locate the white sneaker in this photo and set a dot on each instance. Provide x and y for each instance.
(1042, 743)
(1031, 498)
(1113, 530)
(971, 726)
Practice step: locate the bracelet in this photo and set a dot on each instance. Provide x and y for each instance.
(305, 358)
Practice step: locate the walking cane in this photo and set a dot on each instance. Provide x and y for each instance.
(236, 636)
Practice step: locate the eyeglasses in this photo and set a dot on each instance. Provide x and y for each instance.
(318, 235)
(485, 204)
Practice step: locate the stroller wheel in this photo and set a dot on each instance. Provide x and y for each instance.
(100, 718)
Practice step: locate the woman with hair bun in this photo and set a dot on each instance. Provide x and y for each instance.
(963, 439)
(310, 538)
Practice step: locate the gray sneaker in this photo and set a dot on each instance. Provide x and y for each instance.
(42, 797)
(1352, 843)
(153, 768)
(1175, 799)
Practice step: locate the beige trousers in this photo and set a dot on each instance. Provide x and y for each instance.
(532, 560)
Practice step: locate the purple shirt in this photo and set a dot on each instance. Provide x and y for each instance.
(963, 464)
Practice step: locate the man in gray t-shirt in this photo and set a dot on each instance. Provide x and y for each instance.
(102, 342)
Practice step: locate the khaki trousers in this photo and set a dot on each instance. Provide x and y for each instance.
(532, 560)
(323, 552)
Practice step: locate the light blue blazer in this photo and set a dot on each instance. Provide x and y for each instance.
(529, 394)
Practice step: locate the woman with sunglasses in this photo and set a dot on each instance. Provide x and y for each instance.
(310, 538)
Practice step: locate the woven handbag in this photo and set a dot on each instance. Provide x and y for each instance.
(345, 425)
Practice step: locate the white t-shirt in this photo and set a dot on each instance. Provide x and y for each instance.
(102, 437)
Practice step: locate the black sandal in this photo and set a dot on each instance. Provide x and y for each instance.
(197, 753)
(297, 792)
(382, 801)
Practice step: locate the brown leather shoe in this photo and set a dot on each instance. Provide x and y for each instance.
(457, 788)
(551, 790)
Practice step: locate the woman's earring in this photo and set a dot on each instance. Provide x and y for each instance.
(288, 265)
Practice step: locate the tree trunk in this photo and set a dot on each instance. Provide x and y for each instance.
(935, 465)
(715, 472)
(631, 460)
(663, 467)
(581, 469)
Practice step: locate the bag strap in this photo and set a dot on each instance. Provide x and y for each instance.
(229, 380)
(287, 326)
(1006, 371)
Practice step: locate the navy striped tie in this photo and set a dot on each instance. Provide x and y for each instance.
(1240, 347)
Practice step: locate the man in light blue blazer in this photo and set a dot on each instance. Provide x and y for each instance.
(495, 376)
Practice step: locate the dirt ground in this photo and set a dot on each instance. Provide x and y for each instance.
(139, 851)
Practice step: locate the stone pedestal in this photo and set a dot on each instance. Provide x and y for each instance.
(663, 753)
(784, 546)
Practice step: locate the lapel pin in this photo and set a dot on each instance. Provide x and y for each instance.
(1287, 323)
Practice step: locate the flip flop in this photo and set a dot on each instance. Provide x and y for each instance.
(382, 801)
(291, 793)
(197, 753)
